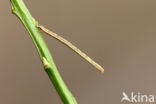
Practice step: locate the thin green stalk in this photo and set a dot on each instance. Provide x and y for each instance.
(20, 10)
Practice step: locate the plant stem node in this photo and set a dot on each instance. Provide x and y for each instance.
(45, 63)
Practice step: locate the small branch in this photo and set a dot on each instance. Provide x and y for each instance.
(20, 10)
(71, 46)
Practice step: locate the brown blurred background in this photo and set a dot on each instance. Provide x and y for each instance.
(118, 34)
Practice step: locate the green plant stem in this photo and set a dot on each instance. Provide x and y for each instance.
(20, 10)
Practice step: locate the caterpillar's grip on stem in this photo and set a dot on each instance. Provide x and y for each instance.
(71, 46)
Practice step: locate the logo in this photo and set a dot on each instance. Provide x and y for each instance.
(137, 98)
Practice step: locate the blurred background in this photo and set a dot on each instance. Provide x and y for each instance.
(119, 34)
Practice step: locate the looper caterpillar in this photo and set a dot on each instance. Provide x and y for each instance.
(71, 46)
